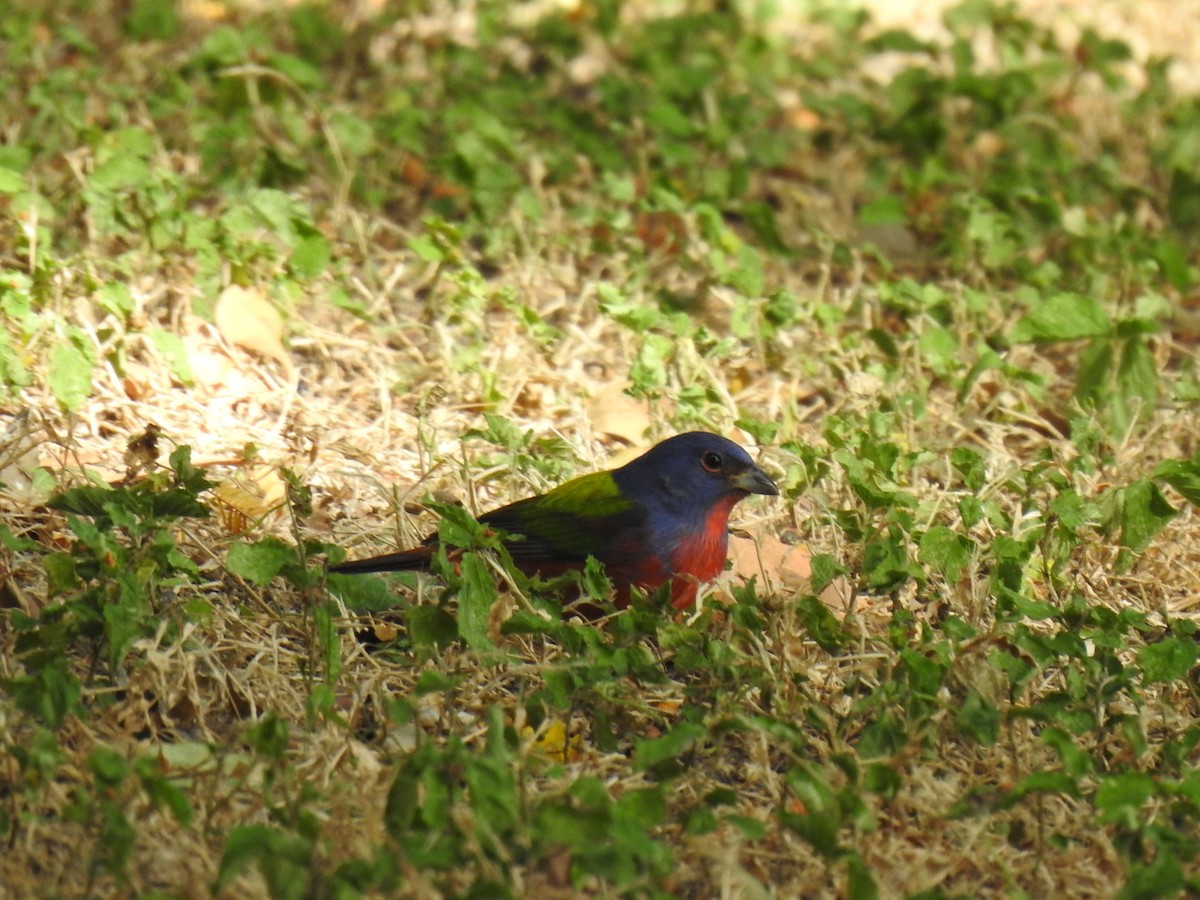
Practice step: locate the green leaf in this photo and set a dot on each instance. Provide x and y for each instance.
(153, 20)
(122, 171)
(825, 568)
(1183, 475)
(457, 527)
(649, 754)
(164, 792)
(1161, 877)
(51, 693)
(885, 560)
(310, 256)
(70, 376)
(886, 210)
(1137, 382)
(1144, 512)
(1044, 782)
(1075, 761)
(61, 577)
(11, 182)
(362, 595)
(84, 501)
(821, 624)
(861, 883)
(1120, 797)
(939, 347)
(285, 860)
(431, 626)
(946, 551)
(259, 562)
(821, 820)
(1168, 660)
(475, 600)
(979, 719)
(177, 504)
(645, 808)
(431, 681)
(172, 349)
(1063, 317)
(109, 767)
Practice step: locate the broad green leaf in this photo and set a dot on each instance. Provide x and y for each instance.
(70, 376)
(84, 501)
(1168, 660)
(259, 562)
(1063, 317)
(1183, 475)
(172, 349)
(648, 754)
(1137, 382)
(475, 600)
(61, 577)
(1120, 797)
(1161, 877)
(1143, 514)
(10, 181)
(362, 595)
(939, 347)
(178, 503)
(978, 718)
(821, 820)
(284, 859)
(431, 626)
(51, 693)
(946, 551)
(646, 808)
(310, 256)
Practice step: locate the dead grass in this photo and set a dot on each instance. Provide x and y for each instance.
(372, 419)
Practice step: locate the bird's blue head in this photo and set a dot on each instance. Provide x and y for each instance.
(689, 475)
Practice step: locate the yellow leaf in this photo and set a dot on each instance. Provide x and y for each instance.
(245, 318)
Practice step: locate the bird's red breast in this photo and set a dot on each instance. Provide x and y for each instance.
(700, 557)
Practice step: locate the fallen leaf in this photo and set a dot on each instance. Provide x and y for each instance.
(769, 558)
(248, 497)
(554, 741)
(664, 232)
(615, 413)
(245, 318)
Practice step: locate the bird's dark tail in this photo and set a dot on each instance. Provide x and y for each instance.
(417, 558)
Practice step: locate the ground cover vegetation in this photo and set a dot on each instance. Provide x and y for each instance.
(283, 283)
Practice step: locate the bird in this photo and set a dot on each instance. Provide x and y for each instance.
(662, 518)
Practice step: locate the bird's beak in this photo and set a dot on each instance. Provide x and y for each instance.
(754, 481)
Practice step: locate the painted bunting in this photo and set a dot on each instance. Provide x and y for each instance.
(663, 517)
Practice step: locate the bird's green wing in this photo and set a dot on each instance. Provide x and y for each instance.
(586, 516)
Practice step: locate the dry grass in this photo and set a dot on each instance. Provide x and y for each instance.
(372, 419)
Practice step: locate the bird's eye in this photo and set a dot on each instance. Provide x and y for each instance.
(711, 461)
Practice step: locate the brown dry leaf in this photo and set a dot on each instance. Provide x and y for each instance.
(245, 318)
(804, 119)
(385, 632)
(764, 555)
(838, 594)
(205, 10)
(663, 232)
(249, 497)
(614, 412)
